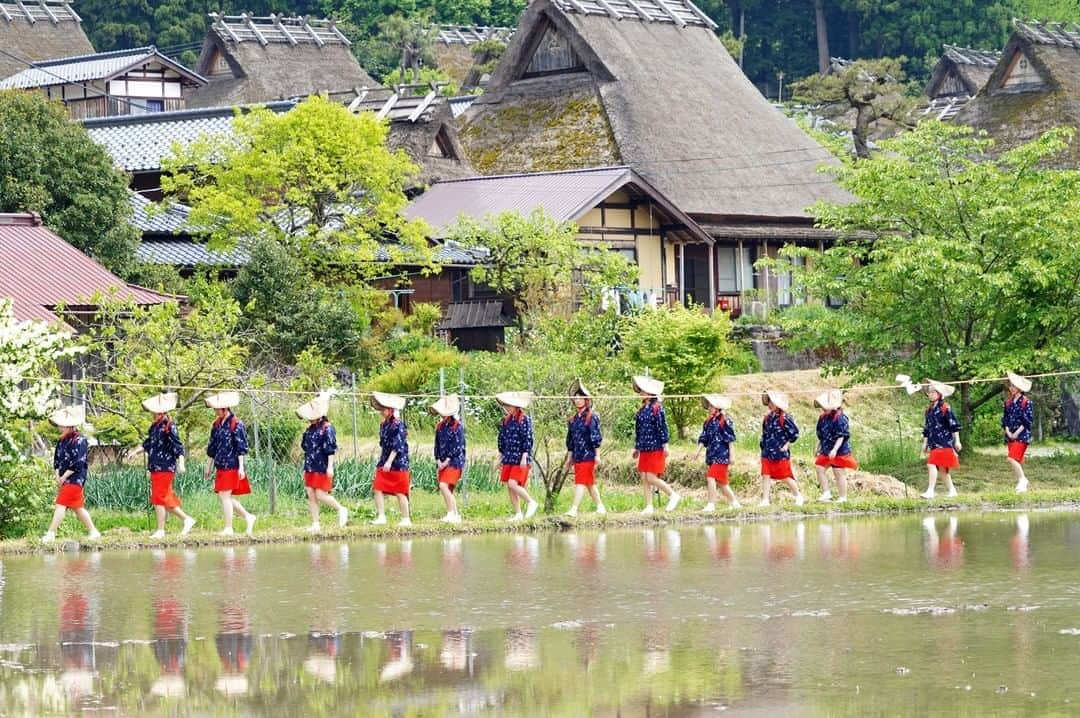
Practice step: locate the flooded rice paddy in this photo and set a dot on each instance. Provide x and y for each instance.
(953, 615)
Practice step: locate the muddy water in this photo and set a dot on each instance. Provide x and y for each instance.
(953, 615)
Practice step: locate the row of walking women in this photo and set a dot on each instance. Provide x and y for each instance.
(228, 447)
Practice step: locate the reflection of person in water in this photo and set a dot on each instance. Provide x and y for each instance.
(324, 641)
(521, 649)
(721, 550)
(399, 559)
(524, 553)
(234, 641)
(840, 545)
(786, 549)
(1021, 552)
(947, 550)
(170, 625)
(400, 661)
(454, 654)
(659, 553)
(76, 633)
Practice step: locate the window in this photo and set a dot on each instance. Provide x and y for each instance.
(155, 105)
(552, 55)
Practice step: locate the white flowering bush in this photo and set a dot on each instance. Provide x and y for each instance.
(29, 352)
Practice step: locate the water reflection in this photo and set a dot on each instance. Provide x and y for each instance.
(169, 624)
(1019, 548)
(399, 656)
(234, 640)
(77, 641)
(945, 550)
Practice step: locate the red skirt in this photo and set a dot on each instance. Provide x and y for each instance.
(719, 472)
(777, 469)
(840, 462)
(515, 472)
(943, 458)
(392, 482)
(318, 480)
(230, 480)
(585, 473)
(71, 496)
(1017, 449)
(652, 462)
(449, 476)
(161, 489)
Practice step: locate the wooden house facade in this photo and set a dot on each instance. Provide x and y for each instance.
(648, 85)
(956, 78)
(109, 84)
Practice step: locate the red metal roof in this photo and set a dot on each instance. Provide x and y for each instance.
(38, 270)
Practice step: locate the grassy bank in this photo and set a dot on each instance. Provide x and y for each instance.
(984, 483)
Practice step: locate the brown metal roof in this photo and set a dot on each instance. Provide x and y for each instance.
(38, 270)
(475, 314)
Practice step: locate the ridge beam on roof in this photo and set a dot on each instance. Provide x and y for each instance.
(671, 13)
(700, 15)
(255, 30)
(71, 11)
(579, 7)
(360, 95)
(332, 24)
(283, 30)
(424, 104)
(48, 11)
(26, 11)
(311, 31)
(609, 9)
(219, 22)
(639, 10)
(7, 15)
(387, 106)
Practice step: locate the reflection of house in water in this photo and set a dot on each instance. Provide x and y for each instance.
(648, 85)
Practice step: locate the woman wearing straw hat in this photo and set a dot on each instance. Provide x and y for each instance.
(164, 457)
(69, 461)
(834, 444)
(319, 444)
(650, 442)
(778, 432)
(392, 472)
(449, 452)
(227, 448)
(515, 447)
(717, 435)
(583, 438)
(941, 437)
(1017, 421)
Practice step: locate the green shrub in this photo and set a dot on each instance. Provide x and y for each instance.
(26, 490)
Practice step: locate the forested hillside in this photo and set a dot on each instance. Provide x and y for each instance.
(789, 36)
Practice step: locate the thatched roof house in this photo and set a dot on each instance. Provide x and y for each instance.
(958, 75)
(259, 59)
(456, 55)
(647, 84)
(1035, 87)
(39, 30)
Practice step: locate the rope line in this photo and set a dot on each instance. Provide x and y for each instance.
(855, 389)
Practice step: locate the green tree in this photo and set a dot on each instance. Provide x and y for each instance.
(183, 349)
(687, 350)
(955, 263)
(49, 165)
(540, 261)
(874, 89)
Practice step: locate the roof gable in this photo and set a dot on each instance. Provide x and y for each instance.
(101, 66)
(961, 71)
(1020, 75)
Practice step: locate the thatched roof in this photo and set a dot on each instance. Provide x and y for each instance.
(39, 30)
(1034, 88)
(454, 50)
(961, 71)
(421, 123)
(259, 59)
(653, 89)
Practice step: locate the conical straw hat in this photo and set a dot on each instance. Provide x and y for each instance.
(381, 400)
(223, 400)
(648, 385)
(1020, 382)
(314, 409)
(946, 390)
(160, 403)
(69, 417)
(515, 399)
(718, 401)
(448, 405)
(778, 398)
(830, 399)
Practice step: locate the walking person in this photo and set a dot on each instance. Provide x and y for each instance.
(70, 463)
(392, 474)
(583, 438)
(319, 444)
(941, 438)
(227, 449)
(834, 445)
(1017, 420)
(650, 442)
(717, 435)
(515, 448)
(164, 457)
(778, 432)
(449, 452)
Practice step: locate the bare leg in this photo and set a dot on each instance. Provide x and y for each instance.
(595, 494)
(380, 507)
(646, 489)
(159, 512)
(729, 495)
(227, 509)
(515, 500)
(841, 482)
(823, 478)
(711, 483)
(448, 498)
(1018, 474)
(931, 481)
(794, 486)
(659, 483)
(84, 517)
(324, 498)
(579, 494)
(523, 493)
(57, 517)
(948, 483)
(403, 504)
(766, 489)
(179, 513)
(313, 505)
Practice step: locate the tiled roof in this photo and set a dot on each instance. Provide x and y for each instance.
(678, 12)
(138, 143)
(39, 270)
(460, 104)
(84, 68)
(189, 253)
(476, 314)
(969, 56)
(154, 218)
(472, 34)
(277, 28)
(34, 11)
